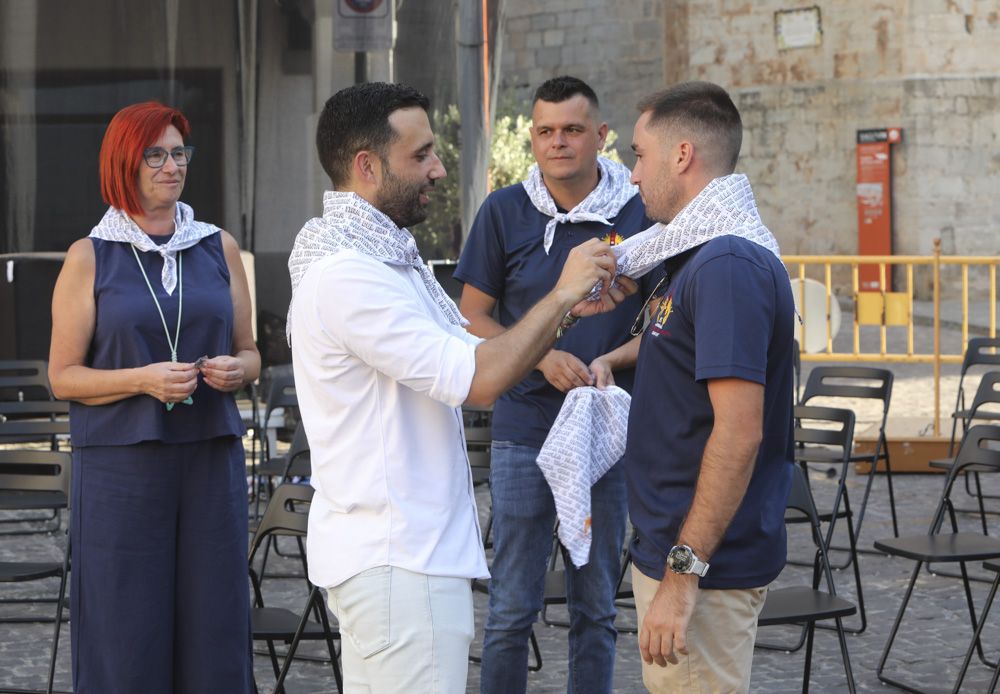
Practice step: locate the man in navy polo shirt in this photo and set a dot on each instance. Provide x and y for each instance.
(515, 251)
(709, 451)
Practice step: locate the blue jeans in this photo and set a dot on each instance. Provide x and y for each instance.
(523, 519)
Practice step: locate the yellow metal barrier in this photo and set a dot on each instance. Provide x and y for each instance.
(886, 309)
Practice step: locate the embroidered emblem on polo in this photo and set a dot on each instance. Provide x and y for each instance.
(662, 314)
(612, 238)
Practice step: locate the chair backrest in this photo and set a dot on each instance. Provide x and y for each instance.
(24, 379)
(980, 446)
(300, 442)
(478, 440)
(281, 392)
(800, 499)
(18, 430)
(981, 351)
(977, 352)
(828, 381)
(297, 459)
(988, 392)
(34, 470)
(282, 516)
(840, 439)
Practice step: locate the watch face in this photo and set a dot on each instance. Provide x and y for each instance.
(680, 560)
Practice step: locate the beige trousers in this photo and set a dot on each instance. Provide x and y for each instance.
(720, 640)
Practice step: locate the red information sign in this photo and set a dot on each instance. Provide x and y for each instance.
(874, 191)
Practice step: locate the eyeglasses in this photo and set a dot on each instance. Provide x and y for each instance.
(156, 157)
(657, 293)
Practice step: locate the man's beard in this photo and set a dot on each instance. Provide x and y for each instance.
(667, 203)
(400, 201)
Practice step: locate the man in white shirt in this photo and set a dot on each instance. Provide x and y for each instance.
(382, 365)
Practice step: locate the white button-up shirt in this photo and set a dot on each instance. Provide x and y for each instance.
(380, 376)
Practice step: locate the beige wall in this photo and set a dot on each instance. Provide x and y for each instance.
(929, 66)
(616, 47)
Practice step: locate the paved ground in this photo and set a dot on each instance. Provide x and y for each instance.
(930, 646)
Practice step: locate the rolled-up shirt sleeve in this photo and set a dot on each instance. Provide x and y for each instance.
(375, 312)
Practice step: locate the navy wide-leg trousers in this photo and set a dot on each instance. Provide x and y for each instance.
(159, 596)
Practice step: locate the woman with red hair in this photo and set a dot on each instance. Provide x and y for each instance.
(151, 336)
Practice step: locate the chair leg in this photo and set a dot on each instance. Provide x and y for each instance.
(972, 614)
(274, 661)
(537, 651)
(993, 682)
(810, 633)
(279, 684)
(845, 655)
(892, 497)
(975, 636)
(855, 560)
(58, 624)
(979, 502)
(895, 628)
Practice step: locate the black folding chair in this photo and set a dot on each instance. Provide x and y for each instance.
(21, 500)
(281, 394)
(977, 634)
(43, 474)
(480, 586)
(826, 435)
(985, 406)
(809, 605)
(294, 463)
(478, 448)
(866, 383)
(978, 448)
(286, 515)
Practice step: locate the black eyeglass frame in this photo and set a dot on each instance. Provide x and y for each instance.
(187, 151)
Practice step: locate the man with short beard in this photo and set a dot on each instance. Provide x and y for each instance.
(382, 364)
(709, 451)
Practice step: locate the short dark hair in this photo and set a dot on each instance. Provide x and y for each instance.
(704, 109)
(357, 118)
(559, 89)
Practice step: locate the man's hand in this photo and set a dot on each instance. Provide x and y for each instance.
(601, 371)
(564, 371)
(586, 265)
(608, 299)
(664, 629)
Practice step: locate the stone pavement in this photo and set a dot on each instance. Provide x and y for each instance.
(928, 651)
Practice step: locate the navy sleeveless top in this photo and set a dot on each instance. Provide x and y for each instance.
(128, 333)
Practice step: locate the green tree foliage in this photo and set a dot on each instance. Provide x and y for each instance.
(510, 160)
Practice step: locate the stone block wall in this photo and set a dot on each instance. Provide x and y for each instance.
(929, 66)
(616, 47)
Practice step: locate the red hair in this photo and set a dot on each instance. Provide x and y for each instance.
(131, 131)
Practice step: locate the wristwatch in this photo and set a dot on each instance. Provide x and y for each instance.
(682, 560)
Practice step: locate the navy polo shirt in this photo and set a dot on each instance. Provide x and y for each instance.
(505, 258)
(727, 313)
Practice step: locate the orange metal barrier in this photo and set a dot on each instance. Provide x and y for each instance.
(886, 309)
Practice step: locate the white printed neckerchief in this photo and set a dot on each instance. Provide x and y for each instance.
(725, 207)
(118, 226)
(351, 222)
(604, 202)
(585, 441)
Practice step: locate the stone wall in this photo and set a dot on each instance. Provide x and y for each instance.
(929, 66)
(616, 47)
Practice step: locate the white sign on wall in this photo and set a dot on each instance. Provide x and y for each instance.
(799, 28)
(363, 25)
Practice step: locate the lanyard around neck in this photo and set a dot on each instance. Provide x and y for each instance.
(180, 306)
